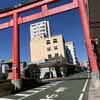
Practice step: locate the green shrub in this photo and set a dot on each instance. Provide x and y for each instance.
(32, 71)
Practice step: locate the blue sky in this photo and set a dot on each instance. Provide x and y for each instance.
(67, 23)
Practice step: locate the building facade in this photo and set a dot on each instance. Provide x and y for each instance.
(71, 52)
(44, 46)
(40, 30)
(47, 48)
(84, 63)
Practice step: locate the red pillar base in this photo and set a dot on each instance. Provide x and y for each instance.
(17, 83)
(95, 79)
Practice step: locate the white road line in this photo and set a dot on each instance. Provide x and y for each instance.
(81, 96)
(5, 99)
(58, 82)
(85, 85)
(83, 90)
(53, 84)
(25, 95)
(41, 88)
(32, 91)
(30, 95)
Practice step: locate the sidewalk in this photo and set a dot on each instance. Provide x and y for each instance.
(93, 94)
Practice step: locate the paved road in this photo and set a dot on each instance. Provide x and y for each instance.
(72, 88)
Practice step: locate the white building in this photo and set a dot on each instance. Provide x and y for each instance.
(84, 63)
(70, 49)
(40, 30)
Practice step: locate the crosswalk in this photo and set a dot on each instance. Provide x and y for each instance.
(30, 92)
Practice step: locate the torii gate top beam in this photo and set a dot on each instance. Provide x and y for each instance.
(26, 8)
(44, 13)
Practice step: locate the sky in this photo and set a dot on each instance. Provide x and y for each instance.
(68, 23)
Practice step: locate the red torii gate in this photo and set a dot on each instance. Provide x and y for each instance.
(17, 20)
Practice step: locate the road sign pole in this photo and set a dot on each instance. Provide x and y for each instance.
(92, 58)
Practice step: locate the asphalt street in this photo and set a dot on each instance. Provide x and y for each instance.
(71, 88)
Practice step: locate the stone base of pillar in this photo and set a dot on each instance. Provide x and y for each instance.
(17, 83)
(95, 79)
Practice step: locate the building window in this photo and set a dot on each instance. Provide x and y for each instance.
(42, 27)
(49, 56)
(48, 42)
(42, 30)
(56, 54)
(33, 25)
(55, 47)
(54, 40)
(49, 49)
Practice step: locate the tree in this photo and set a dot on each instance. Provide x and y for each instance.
(32, 71)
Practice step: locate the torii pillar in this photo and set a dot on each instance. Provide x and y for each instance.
(16, 53)
(92, 56)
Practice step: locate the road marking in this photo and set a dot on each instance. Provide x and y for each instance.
(61, 89)
(85, 85)
(32, 91)
(80, 75)
(25, 95)
(58, 82)
(83, 90)
(41, 88)
(50, 97)
(54, 84)
(55, 95)
(46, 99)
(81, 96)
(6, 99)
